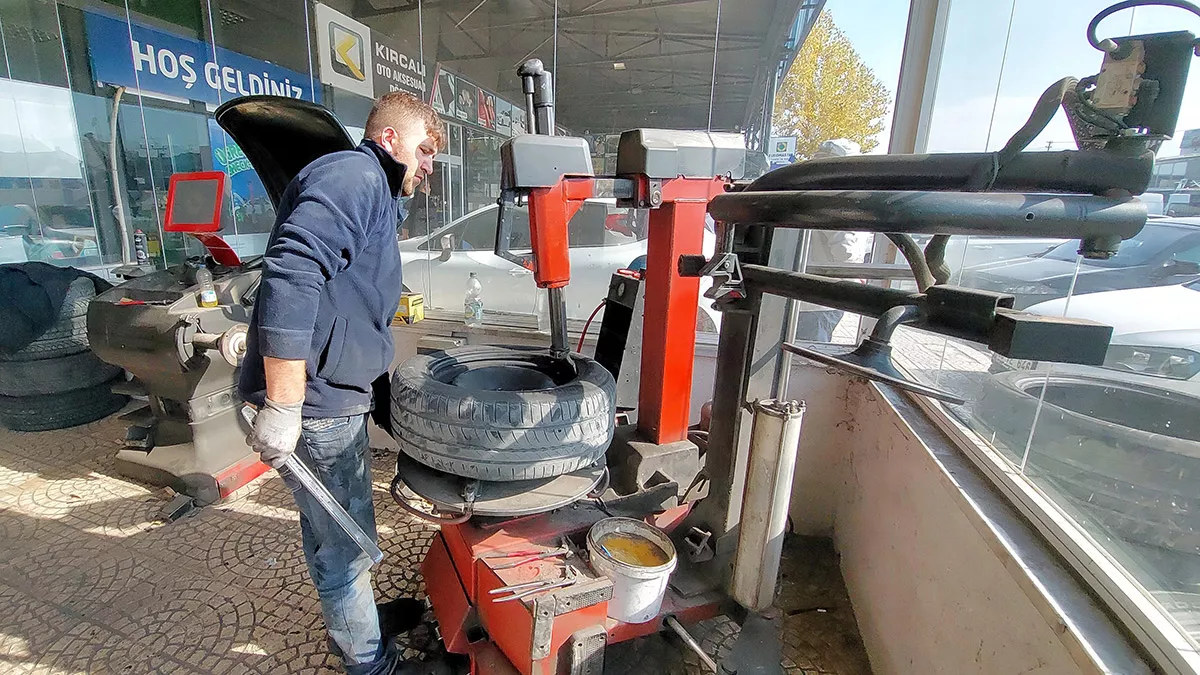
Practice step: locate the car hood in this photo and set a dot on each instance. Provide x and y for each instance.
(281, 136)
(1166, 316)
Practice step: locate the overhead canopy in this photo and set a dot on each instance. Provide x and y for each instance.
(620, 63)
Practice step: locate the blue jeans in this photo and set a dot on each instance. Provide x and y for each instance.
(337, 450)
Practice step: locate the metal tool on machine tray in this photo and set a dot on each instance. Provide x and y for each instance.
(528, 557)
(529, 588)
(303, 475)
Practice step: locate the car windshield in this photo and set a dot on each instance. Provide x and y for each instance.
(1137, 250)
(1194, 285)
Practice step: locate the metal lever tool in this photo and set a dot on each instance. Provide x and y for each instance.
(303, 475)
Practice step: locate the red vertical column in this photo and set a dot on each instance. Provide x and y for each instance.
(669, 326)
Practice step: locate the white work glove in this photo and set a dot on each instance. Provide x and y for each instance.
(275, 432)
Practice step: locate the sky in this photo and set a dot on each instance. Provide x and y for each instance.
(1047, 42)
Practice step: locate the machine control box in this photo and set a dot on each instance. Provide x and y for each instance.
(669, 153)
(536, 161)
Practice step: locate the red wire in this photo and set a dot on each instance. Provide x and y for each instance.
(586, 326)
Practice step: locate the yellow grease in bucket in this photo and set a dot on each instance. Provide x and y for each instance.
(632, 549)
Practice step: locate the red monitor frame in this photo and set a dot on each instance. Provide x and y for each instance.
(211, 226)
(204, 232)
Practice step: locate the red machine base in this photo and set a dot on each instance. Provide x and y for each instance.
(547, 632)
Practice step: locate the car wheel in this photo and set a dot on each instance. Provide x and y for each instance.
(502, 414)
(59, 411)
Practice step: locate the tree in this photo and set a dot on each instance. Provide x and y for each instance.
(830, 93)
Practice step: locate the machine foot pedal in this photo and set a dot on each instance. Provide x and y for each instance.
(139, 437)
(180, 506)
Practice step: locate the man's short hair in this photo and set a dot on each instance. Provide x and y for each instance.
(397, 108)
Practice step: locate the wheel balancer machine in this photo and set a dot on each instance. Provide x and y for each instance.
(729, 533)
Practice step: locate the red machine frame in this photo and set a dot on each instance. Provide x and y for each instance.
(458, 570)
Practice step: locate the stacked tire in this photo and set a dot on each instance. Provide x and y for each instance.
(56, 381)
(502, 413)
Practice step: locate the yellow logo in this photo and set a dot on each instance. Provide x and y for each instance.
(346, 48)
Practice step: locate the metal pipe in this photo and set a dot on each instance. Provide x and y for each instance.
(691, 643)
(718, 513)
(558, 323)
(528, 72)
(1101, 222)
(847, 296)
(791, 319)
(543, 101)
(1081, 172)
(115, 175)
(774, 442)
(851, 271)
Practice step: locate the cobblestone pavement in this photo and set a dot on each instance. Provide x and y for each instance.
(91, 582)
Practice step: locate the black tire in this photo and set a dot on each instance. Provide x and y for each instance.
(59, 411)
(502, 414)
(54, 376)
(1139, 484)
(68, 334)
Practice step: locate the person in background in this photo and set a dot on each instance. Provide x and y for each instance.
(816, 323)
(319, 339)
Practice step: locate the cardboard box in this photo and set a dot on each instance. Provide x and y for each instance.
(412, 308)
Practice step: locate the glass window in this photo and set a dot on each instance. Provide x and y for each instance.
(1114, 446)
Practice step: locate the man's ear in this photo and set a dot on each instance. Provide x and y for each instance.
(387, 138)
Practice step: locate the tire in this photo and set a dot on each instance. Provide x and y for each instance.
(68, 334)
(502, 414)
(1139, 484)
(54, 376)
(59, 411)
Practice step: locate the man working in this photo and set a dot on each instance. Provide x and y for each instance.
(320, 336)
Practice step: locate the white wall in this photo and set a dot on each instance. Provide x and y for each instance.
(930, 594)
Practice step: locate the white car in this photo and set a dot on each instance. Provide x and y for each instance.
(602, 237)
(1156, 330)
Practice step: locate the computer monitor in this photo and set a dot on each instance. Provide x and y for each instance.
(194, 202)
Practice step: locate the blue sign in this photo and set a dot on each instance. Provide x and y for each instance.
(252, 209)
(152, 60)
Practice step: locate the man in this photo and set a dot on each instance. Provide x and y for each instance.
(816, 323)
(320, 336)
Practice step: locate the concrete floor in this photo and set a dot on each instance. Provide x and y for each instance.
(92, 582)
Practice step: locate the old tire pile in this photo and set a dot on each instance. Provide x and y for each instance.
(502, 414)
(56, 381)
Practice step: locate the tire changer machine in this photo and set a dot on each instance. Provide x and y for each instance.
(183, 355)
(723, 502)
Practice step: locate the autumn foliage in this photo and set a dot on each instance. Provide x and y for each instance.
(830, 93)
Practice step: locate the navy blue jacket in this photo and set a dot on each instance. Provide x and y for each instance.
(331, 281)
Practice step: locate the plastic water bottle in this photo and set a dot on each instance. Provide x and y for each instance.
(473, 303)
(208, 293)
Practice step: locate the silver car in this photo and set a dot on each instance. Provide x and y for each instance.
(602, 237)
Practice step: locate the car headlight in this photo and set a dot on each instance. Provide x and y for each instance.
(1170, 362)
